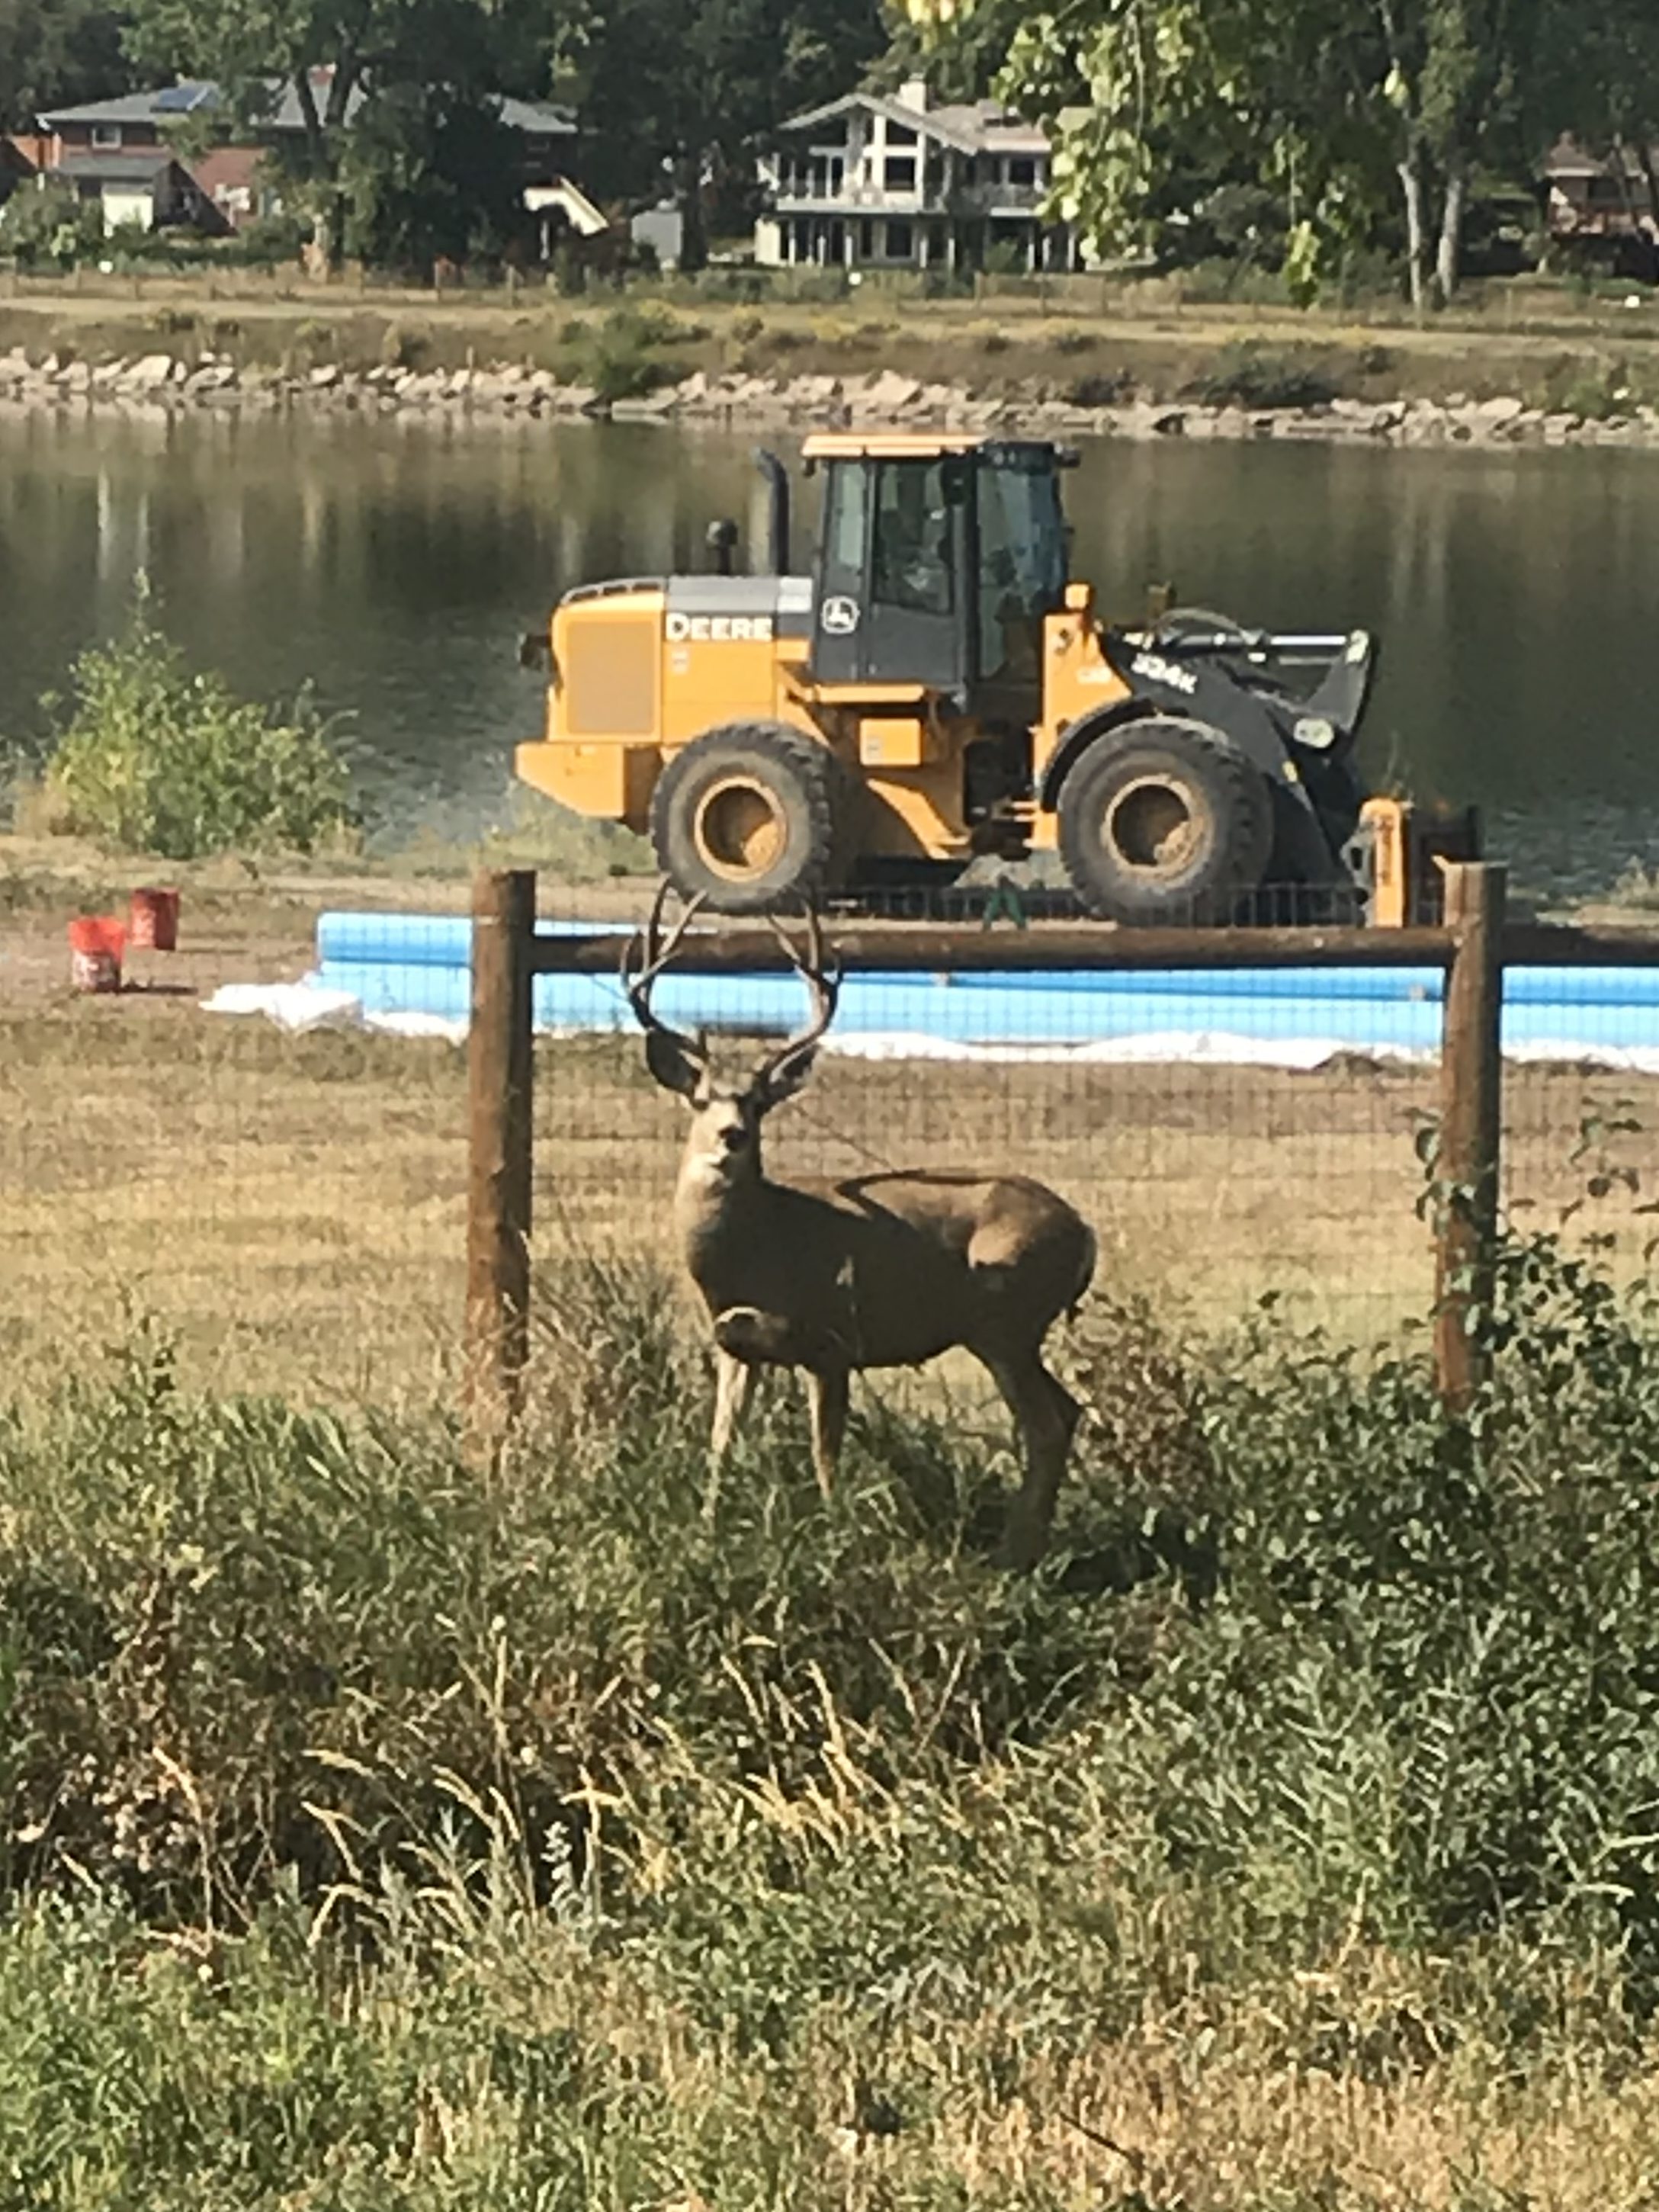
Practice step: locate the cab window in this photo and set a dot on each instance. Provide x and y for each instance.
(912, 567)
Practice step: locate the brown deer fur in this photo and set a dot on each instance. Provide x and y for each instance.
(883, 1270)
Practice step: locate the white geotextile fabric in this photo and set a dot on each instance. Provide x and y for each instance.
(305, 1006)
(309, 1006)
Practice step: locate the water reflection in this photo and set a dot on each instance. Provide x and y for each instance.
(395, 562)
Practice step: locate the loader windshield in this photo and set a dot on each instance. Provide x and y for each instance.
(1022, 556)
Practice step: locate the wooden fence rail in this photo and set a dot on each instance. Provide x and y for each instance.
(1474, 947)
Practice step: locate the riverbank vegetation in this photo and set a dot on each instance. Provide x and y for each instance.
(155, 756)
(1081, 341)
(379, 1830)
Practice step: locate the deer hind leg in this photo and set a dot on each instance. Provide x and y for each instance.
(1046, 1415)
(827, 1392)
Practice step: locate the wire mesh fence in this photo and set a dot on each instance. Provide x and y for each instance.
(289, 1203)
(287, 1206)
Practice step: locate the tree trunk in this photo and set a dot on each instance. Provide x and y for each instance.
(1650, 237)
(322, 147)
(1448, 257)
(694, 241)
(1411, 181)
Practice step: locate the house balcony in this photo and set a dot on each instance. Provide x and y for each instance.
(970, 201)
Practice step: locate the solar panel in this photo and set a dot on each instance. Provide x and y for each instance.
(181, 98)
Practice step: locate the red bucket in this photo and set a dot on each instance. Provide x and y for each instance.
(154, 922)
(96, 943)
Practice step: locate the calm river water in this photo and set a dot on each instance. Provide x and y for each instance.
(395, 563)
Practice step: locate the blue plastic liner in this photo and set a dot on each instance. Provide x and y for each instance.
(418, 964)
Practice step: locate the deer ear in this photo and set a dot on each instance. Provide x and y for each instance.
(784, 1079)
(669, 1062)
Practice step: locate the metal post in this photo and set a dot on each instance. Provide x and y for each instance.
(499, 1071)
(1471, 1110)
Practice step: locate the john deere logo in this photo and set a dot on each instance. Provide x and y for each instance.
(719, 629)
(840, 617)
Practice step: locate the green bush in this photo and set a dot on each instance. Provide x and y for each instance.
(48, 223)
(623, 359)
(158, 758)
(1247, 374)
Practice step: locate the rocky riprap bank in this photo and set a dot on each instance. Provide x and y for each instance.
(161, 383)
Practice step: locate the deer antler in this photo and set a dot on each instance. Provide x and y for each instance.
(784, 1068)
(675, 1059)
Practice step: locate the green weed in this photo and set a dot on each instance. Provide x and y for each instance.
(157, 758)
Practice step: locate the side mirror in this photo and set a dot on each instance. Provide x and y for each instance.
(721, 538)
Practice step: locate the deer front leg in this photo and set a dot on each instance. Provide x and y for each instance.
(733, 1379)
(827, 1392)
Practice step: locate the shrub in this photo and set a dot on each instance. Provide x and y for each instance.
(47, 223)
(1104, 388)
(157, 758)
(1247, 375)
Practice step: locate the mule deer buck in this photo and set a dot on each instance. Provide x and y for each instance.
(883, 1270)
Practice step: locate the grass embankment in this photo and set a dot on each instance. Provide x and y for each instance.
(1096, 340)
(380, 1835)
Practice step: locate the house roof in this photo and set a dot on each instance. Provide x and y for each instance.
(132, 169)
(982, 126)
(168, 105)
(1567, 158)
(171, 103)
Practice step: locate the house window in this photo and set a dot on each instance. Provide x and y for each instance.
(900, 175)
(1022, 170)
(901, 242)
(900, 134)
(867, 239)
(106, 136)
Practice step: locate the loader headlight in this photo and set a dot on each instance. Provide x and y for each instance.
(1314, 731)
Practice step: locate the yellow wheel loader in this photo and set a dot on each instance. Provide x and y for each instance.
(937, 688)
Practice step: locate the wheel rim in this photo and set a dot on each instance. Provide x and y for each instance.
(1155, 826)
(739, 830)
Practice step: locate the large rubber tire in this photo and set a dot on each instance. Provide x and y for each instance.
(1163, 822)
(753, 814)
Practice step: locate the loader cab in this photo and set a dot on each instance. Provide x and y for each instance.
(937, 563)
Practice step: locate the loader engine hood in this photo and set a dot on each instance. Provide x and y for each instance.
(716, 609)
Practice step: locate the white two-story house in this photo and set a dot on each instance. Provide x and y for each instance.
(870, 182)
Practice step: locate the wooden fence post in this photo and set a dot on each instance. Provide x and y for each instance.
(1471, 1120)
(499, 1072)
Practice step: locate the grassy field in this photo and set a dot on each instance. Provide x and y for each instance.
(1162, 336)
(381, 1834)
(293, 1207)
(378, 1834)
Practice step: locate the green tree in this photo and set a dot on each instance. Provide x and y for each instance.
(1336, 103)
(341, 59)
(427, 174)
(690, 87)
(1598, 77)
(56, 50)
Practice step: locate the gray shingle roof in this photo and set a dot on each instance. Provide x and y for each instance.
(976, 127)
(171, 103)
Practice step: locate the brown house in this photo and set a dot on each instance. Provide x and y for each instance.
(1599, 196)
